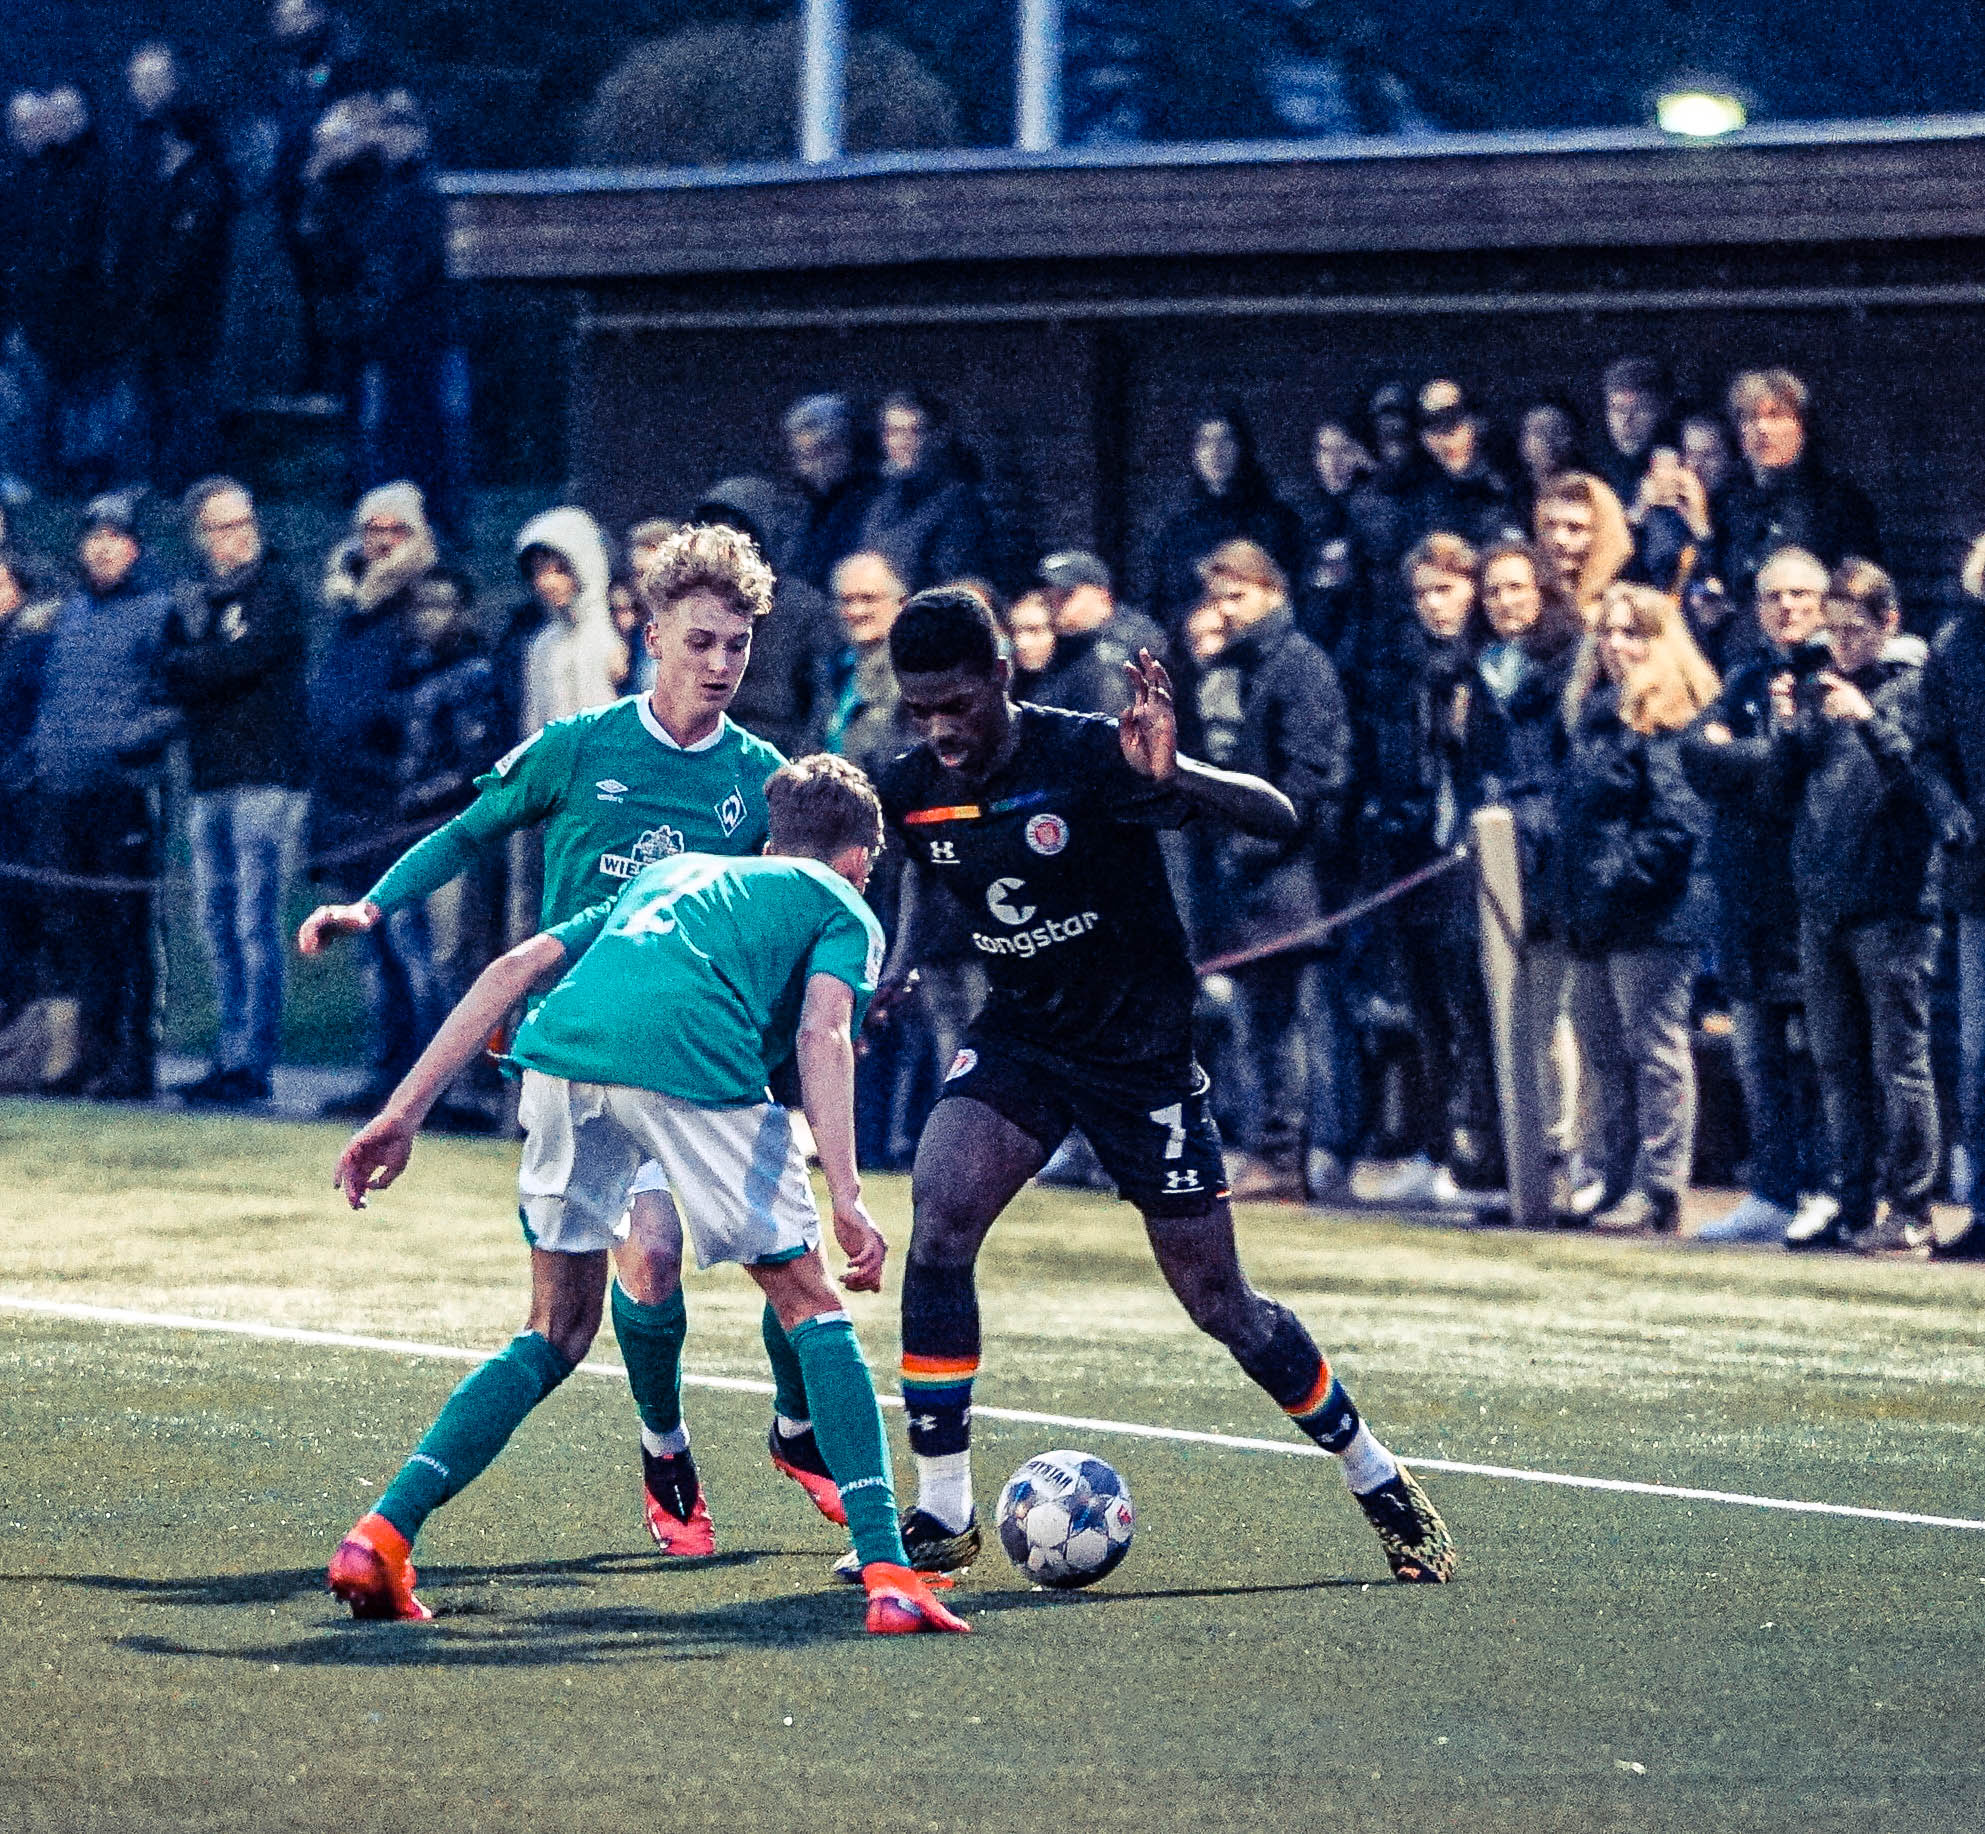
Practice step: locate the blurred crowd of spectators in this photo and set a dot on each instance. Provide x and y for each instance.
(119, 216)
(1746, 793)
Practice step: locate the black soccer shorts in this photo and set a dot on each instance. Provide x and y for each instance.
(1160, 1147)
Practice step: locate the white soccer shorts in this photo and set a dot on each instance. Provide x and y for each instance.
(738, 1174)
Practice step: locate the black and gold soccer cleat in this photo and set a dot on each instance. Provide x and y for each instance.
(932, 1548)
(1417, 1545)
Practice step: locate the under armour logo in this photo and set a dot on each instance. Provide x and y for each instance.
(997, 894)
(944, 853)
(1187, 1180)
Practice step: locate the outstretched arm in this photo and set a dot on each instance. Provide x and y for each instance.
(825, 1053)
(379, 1151)
(1149, 732)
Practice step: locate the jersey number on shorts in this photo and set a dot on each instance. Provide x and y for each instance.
(1172, 1119)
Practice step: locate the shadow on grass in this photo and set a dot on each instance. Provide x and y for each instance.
(473, 1626)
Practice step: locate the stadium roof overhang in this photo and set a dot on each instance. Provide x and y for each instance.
(1780, 217)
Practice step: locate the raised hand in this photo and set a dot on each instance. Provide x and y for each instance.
(329, 920)
(1148, 728)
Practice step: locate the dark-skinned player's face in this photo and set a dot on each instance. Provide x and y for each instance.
(961, 714)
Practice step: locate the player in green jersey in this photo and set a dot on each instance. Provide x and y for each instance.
(615, 788)
(672, 1009)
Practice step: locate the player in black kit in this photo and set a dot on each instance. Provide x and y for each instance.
(1040, 824)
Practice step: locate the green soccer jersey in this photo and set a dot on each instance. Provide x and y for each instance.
(614, 792)
(691, 981)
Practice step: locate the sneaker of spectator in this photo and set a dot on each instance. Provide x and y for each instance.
(1755, 1219)
(1897, 1232)
(1640, 1213)
(1327, 1180)
(1817, 1225)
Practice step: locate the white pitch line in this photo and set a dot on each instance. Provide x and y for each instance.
(1126, 1429)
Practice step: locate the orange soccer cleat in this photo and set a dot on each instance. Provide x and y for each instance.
(373, 1572)
(685, 1537)
(799, 1458)
(900, 1602)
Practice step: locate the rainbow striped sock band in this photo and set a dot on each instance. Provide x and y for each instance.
(937, 1401)
(1325, 1413)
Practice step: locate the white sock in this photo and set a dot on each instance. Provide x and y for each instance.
(792, 1429)
(944, 1488)
(665, 1445)
(1366, 1463)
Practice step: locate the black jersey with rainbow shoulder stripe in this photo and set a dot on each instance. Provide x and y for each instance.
(1054, 863)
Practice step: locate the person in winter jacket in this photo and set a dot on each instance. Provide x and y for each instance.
(1512, 755)
(175, 242)
(1582, 533)
(1414, 814)
(1330, 583)
(1636, 897)
(1953, 742)
(575, 659)
(27, 623)
(928, 518)
(1270, 705)
(1227, 497)
(370, 587)
(1782, 495)
(1871, 816)
(233, 663)
(1094, 636)
(1460, 493)
(788, 690)
(98, 738)
(1726, 756)
(824, 452)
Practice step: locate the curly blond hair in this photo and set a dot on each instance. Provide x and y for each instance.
(708, 557)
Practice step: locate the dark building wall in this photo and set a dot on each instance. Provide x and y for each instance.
(1092, 421)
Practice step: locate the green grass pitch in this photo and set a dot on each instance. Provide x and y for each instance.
(168, 1659)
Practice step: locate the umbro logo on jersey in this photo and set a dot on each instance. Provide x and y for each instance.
(611, 789)
(998, 901)
(730, 812)
(655, 844)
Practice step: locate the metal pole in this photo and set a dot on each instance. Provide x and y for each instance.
(1038, 79)
(823, 79)
(1499, 892)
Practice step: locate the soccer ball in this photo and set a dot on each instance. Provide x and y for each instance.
(1065, 1519)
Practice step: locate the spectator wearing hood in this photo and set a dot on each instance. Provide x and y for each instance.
(788, 688)
(1636, 898)
(1270, 705)
(1954, 744)
(1094, 636)
(175, 243)
(1727, 757)
(1582, 533)
(825, 457)
(27, 625)
(575, 659)
(98, 737)
(370, 587)
(1781, 495)
(1227, 496)
(1871, 813)
(62, 289)
(233, 662)
(928, 518)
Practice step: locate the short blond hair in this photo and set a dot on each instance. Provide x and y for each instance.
(708, 557)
